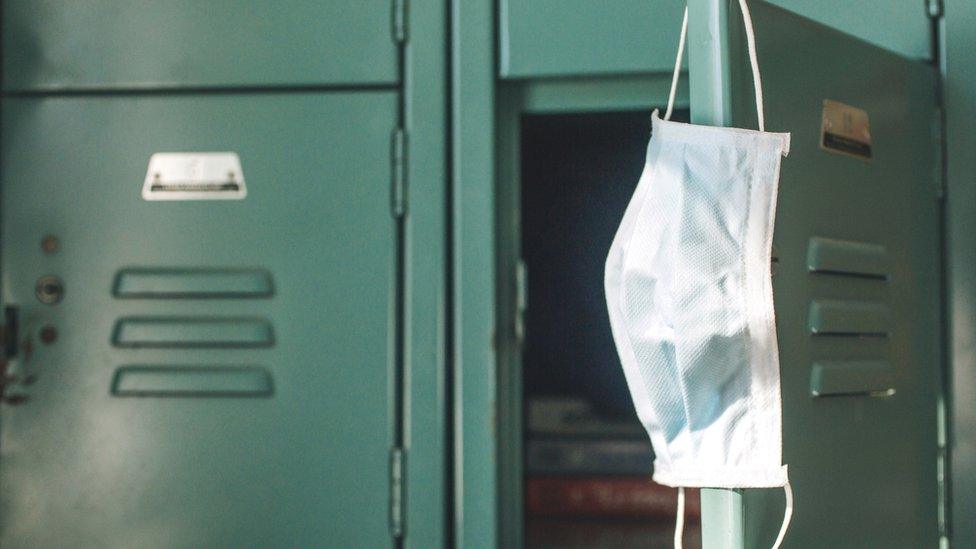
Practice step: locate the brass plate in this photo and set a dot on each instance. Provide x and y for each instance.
(845, 130)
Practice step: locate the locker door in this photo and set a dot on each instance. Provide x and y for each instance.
(545, 38)
(138, 44)
(198, 373)
(856, 283)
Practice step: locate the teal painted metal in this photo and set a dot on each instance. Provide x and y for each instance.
(545, 38)
(867, 318)
(473, 283)
(425, 415)
(960, 126)
(833, 256)
(305, 466)
(193, 283)
(192, 381)
(852, 377)
(722, 519)
(510, 310)
(270, 49)
(895, 502)
(165, 331)
(708, 65)
(574, 37)
(98, 44)
(901, 26)
(708, 62)
(599, 94)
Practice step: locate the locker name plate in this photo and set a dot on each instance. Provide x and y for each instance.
(845, 130)
(194, 176)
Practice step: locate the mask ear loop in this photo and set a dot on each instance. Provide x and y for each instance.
(753, 62)
(674, 89)
(679, 523)
(787, 516)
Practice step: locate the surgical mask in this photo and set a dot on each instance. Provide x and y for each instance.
(690, 296)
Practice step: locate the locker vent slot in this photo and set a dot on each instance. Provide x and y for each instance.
(192, 381)
(167, 332)
(844, 257)
(156, 283)
(852, 377)
(849, 318)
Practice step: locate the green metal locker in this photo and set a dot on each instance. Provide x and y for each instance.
(858, 246)
(269, 368)
(222, 250)
(100, 44)
(559, 38)
(221, 369)
(856, 284)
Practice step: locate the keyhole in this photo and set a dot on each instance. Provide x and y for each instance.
(49, 289)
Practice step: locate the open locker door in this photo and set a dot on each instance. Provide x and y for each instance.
(856, 277)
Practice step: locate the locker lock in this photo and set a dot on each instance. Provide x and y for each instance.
(49, 289)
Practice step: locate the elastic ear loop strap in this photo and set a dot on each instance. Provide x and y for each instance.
(679, 523)
(753, 61)
(787, 516)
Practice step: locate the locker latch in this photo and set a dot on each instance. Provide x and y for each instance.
(8, 336)
(397, 515)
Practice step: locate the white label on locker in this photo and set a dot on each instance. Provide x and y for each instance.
(194, 176)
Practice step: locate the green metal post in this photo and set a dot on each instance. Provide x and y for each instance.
(708, 74)
(425, 119)
(960, 105)
(472, 205)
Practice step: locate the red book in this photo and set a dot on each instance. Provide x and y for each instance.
(606, 496)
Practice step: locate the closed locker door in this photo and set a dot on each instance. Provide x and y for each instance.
(54, 45)
(856, 283)
(198, 372)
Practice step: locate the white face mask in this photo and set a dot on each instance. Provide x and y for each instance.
(690, 296)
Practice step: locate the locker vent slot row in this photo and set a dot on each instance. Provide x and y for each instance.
(168, 332)
(835, 317)
(192, 332)
(192, 381)
(192, 283)
(867, 320)
(852, 377)
(846, 257)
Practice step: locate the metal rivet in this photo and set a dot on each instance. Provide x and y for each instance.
(49, 289)
(50, 244)
(49, 334)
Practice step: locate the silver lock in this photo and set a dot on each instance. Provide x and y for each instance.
(49, 289)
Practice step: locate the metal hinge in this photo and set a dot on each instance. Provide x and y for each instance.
(521, 300)
(942, 471)
(934, 8)
(397, 515)
(938, 175)
(399, 21)
(943, 495)
(398, 191)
